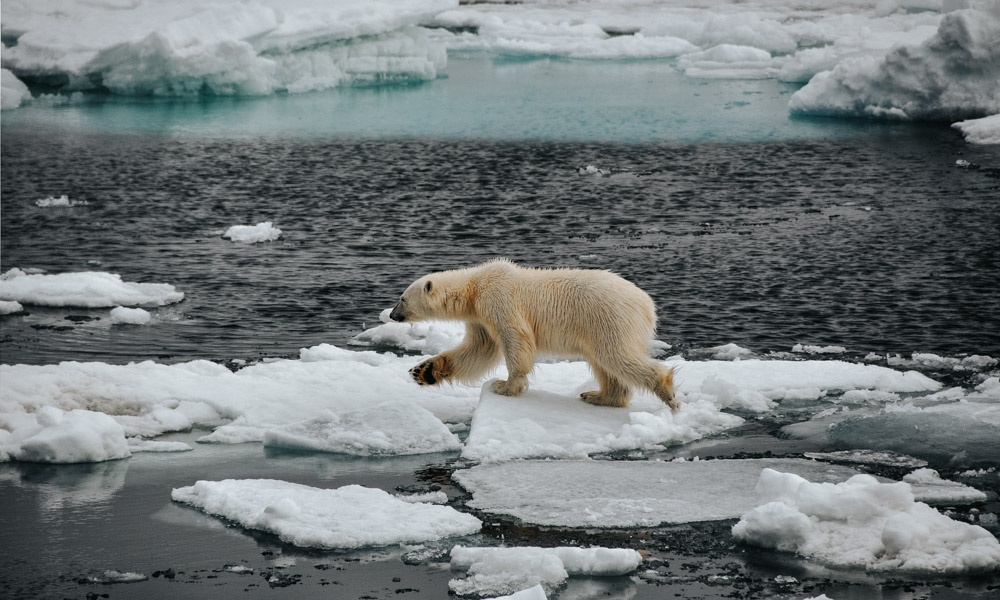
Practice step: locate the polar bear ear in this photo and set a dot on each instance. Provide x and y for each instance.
(428, 286)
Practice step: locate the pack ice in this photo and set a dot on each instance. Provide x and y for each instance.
(347, 517)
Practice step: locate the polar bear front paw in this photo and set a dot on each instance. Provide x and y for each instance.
(511, 387)
(432, 371)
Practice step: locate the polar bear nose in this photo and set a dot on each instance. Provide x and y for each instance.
(397, 314)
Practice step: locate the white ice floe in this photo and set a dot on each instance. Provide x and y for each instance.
(595, 493)
(88, 289)
(9, 307)
(730, 352)
(51, 435)
(808, 349)
(388, 428)
(63, 200)
(952, 75)
(141, 445)
(927, 486)
(112, 576)
(869, 457)
(975, 362)
(253, 234)
(427, 498)
(507, 570)
(862, 523)
(346, 517)
(980, 131)
(428, 337)
(185, 47)
(130, 316)
(13, 92)
(727, 61)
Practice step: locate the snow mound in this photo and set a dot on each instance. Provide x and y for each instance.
(980, 131)
(955, 74)
(51, 435)
(862, 523)
(347, 517)
(253, 234)
(427, 337)
(493, 571)
(386, 429)
(228, 47)
(542, 424)
(129, 316)
(87, 289)
(12, 90)
(595, 493)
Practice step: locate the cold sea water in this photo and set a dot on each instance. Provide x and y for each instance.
(744, 225)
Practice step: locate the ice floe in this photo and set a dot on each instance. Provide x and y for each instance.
(862, 523)
(185, 47)
(122, 315)
(428, 337)
(507, 570)
(253, 234)
(980, 131)
(141, 445)
(61, 201)
(9, 307)
(927, 486)
(347, 517)
(596, 493)
(54, 436)
(88, 289)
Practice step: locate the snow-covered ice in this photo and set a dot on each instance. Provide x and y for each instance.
(253, 234)
(89, 289)
(347, 517)
(388, 428)
(862, 523)
(185, 47)
(122, 315)
(427, 337)
(55, 436)
(869, 457)
(980, 131)
(507, 570)
(596, 493)
(9, 307)
(927, 486)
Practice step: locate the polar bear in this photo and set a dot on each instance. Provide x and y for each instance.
(515, 313)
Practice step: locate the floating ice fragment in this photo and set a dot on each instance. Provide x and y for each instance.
(819, 349)
(51, 435)
(9, 307)
(60, 201)
(869, 457)
(112, 576)
(141, 445)
(928, 487)
(428, 498)
(533, 593)
(346, 517)
(253, 234)
(427, 337)
(86, 289)
(730, 352)
(129, 316)
(862, 523)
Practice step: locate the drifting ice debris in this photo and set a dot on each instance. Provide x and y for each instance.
(89, 289)
(868, 457)
(253, 234)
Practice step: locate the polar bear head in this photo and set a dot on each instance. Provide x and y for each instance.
(418, 302)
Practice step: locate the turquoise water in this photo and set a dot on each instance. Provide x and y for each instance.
(479, 96)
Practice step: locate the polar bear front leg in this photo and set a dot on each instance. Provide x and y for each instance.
(433, 370)
(519, 353)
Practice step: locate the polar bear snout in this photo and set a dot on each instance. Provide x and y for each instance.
(397, 314)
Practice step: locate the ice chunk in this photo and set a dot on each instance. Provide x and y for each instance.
(253, 234)
(595, 493)
(385, 429)
(819, 349)
(129, 316)
(112, 576)
(60, 201)
(86, 289)
(728, 61)
(55, 436)
(927, 486)
(543, 424)
(869, 457)
(9, 307)
(954, 74)
(141, 445)
(429, 497)
(346, 517)
(12, 90)
(980, 131)
(428, 337)
(862, 523)
(730, 352)
(493, 571)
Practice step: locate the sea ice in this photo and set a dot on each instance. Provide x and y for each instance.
(532, 593)
(862, 523)
(869, 457)
(506, 570)
(86, 289)
(55, 436)
(980, 131)
(428, 337)
(596, 493)
(129, 316)
(9, 307)
(141, 445)
(253, 234)
(388, 428)
(928, 487)
(63, 200)
(347, 517)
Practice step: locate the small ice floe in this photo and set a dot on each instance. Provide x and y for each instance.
(238, 569)
(51, 435)
(862, 523)
(347, 517)
(809, 349)
(122, 315)
(90, 289)
(507, 570)
(428, 337)
(928, 487)
(428, 497)
(383, 429)
(595, 493)
(111, 576)
(869, 457)
(253, 234)
(729, 352)
(728, 61)
(9, 307)
(140, 445)
(60, 201)
(532, 593)
(975, 362)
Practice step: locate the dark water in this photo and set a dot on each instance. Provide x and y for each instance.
(876, 244)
